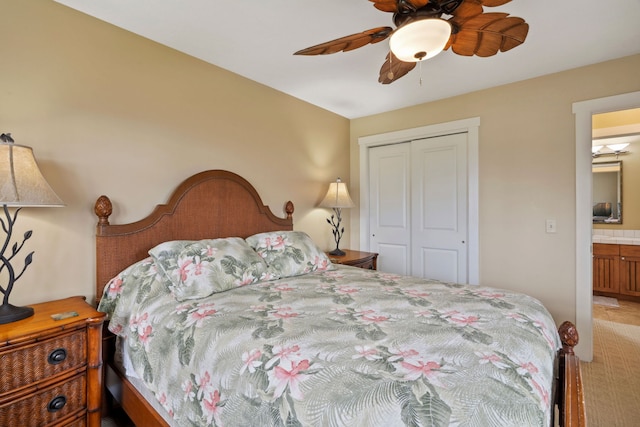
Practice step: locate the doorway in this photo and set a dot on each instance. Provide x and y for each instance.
(584, 219)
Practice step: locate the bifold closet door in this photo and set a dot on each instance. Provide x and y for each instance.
(418, 207)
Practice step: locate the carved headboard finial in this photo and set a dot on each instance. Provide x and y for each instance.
(103, 209)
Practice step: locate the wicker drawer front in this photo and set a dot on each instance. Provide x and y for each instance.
(47, 406)
(32, 363)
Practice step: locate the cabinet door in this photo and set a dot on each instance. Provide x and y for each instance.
(630, 270)
(606, 273)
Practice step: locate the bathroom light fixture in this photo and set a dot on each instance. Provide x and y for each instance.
(616, 150)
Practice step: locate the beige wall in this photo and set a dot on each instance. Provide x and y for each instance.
(108, 112)
(527, 172)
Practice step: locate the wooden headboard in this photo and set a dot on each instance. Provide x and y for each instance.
(210, 204)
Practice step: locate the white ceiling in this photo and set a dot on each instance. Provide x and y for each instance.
(256, 39)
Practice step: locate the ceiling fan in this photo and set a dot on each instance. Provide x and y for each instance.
(422, 33)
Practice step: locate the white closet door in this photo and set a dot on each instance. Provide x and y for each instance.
(439, 208)
(389, 197)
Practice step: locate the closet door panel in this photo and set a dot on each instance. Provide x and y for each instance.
(389, 198)
(439, 208)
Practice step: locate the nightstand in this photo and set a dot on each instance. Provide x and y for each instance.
(52, 369)
(366, 260)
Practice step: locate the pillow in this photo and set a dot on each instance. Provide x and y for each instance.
(117, 286)
(197, 269)
(289, 253)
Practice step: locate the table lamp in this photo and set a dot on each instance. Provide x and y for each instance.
(337, 198)
(21, 185)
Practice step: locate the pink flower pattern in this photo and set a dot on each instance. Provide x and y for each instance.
(184, 265)
(366, 352)
(283, 313)
(492, 358)
(115, 286)
(251, 360)
(371, 317)
(276, 243)
(284, 354)
(464, 320)
(321, 263)
(416, 293)
(210, 408)
(399, 354)
(346, 290)
(283, 377)
(418, 368)
(198, 314)
(189, 390)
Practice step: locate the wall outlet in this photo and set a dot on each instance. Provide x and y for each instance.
(551, 226)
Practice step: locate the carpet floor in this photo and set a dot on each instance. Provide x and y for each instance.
(612, 380)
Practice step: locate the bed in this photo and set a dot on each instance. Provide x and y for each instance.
(222, 314)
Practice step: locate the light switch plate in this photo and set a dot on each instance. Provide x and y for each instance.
(551, 226)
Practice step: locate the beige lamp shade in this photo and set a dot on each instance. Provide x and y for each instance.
(21, 182)
(337, 196)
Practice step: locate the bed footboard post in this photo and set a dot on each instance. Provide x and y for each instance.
(571, 406)
(288, 208)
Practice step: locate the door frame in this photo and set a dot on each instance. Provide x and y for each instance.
(584, 223)
(471, 127)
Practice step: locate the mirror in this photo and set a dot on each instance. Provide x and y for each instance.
(607, 192)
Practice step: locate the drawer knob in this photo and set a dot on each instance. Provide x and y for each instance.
(57, 403)
(57, 356)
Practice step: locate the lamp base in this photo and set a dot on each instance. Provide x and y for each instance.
(10, 313)
(337, 252)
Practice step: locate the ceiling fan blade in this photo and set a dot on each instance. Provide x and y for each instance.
(494, 3)
(486, 34)
(467, 9)
(348, 43)
(418, 3)
(394, 69)
(386, 5)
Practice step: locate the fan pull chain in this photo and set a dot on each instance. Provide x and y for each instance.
(420, 70)
(390, 73)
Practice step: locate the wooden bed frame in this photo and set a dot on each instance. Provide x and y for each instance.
(216, 204)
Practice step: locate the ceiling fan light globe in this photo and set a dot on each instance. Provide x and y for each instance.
(418, 40)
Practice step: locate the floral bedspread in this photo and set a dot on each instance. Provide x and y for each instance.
(347, 347)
